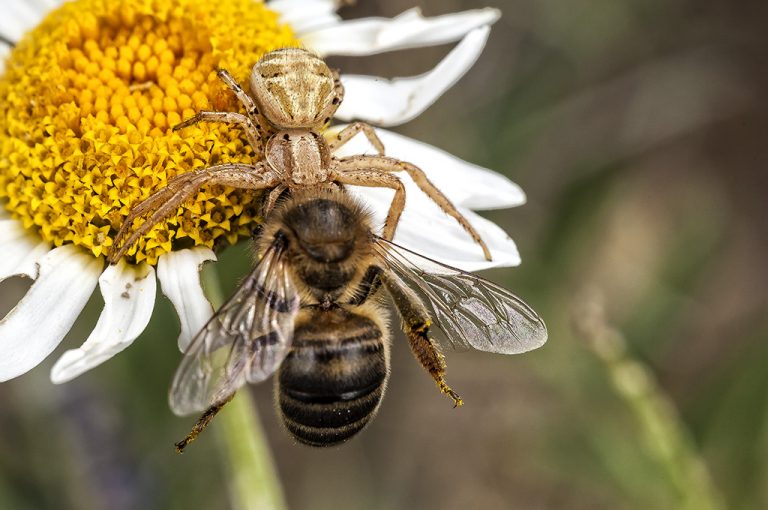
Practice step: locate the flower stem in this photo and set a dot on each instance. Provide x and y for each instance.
(254, 483)
(664, 433)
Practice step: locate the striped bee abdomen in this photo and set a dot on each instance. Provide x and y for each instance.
(331, 383)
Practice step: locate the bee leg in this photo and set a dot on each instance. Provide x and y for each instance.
(389, 165)
(165, 202)
(352, 175)
(416, 323)
(201, 424)
(430, 357)
(369, 285)
(252, 133)
(350, 131)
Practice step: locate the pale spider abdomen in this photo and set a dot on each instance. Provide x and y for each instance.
(294, 89)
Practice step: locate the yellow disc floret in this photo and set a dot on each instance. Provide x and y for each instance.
(89, 98)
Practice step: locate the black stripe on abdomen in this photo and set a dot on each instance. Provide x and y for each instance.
(329, 388)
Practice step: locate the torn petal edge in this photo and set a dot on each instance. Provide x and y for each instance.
(129, 293)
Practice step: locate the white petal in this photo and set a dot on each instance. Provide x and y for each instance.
(19, 16)
(410, 29)
(427, 230)
(129, 297)
(463, 183)
(179, 275)
(33, 329)
(38, 8)
(306, 15)
(391, 102)
(21, 250)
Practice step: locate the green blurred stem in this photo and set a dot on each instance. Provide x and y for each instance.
(253, 480)
(664, 434)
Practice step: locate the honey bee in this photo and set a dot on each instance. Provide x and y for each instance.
(312, 312)
(294, 96)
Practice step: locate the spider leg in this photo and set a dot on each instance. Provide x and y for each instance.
(272, 198)
(7, 41)
(251, 108)
(252, 132)
(389, 165)
(164, 203)
(354, 176)
(353, 129)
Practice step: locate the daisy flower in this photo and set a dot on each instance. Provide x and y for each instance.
(91, 89)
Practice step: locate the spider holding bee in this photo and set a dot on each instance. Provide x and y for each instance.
(311, 308)
(294, 96)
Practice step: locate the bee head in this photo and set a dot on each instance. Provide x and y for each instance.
(325, 229)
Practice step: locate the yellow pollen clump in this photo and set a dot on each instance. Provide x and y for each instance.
(89, 100)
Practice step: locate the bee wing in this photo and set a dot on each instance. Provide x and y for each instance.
(245, 340)
(471, 311)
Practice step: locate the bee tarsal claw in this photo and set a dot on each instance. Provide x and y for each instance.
(457, 400)
(445, 389)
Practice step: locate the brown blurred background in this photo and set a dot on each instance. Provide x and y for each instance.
(639, 130)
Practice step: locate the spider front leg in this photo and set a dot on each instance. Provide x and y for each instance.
(390, 165)
(246, 100)
(7, 41)
(164, 203)
(370, 178)
(350, 131)
(252, 132)
(272, 199)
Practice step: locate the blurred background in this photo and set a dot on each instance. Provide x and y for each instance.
(639, 131)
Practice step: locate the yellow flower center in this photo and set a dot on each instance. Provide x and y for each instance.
(89, 100)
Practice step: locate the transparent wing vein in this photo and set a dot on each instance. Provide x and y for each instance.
(471, 311)
(245, 340)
